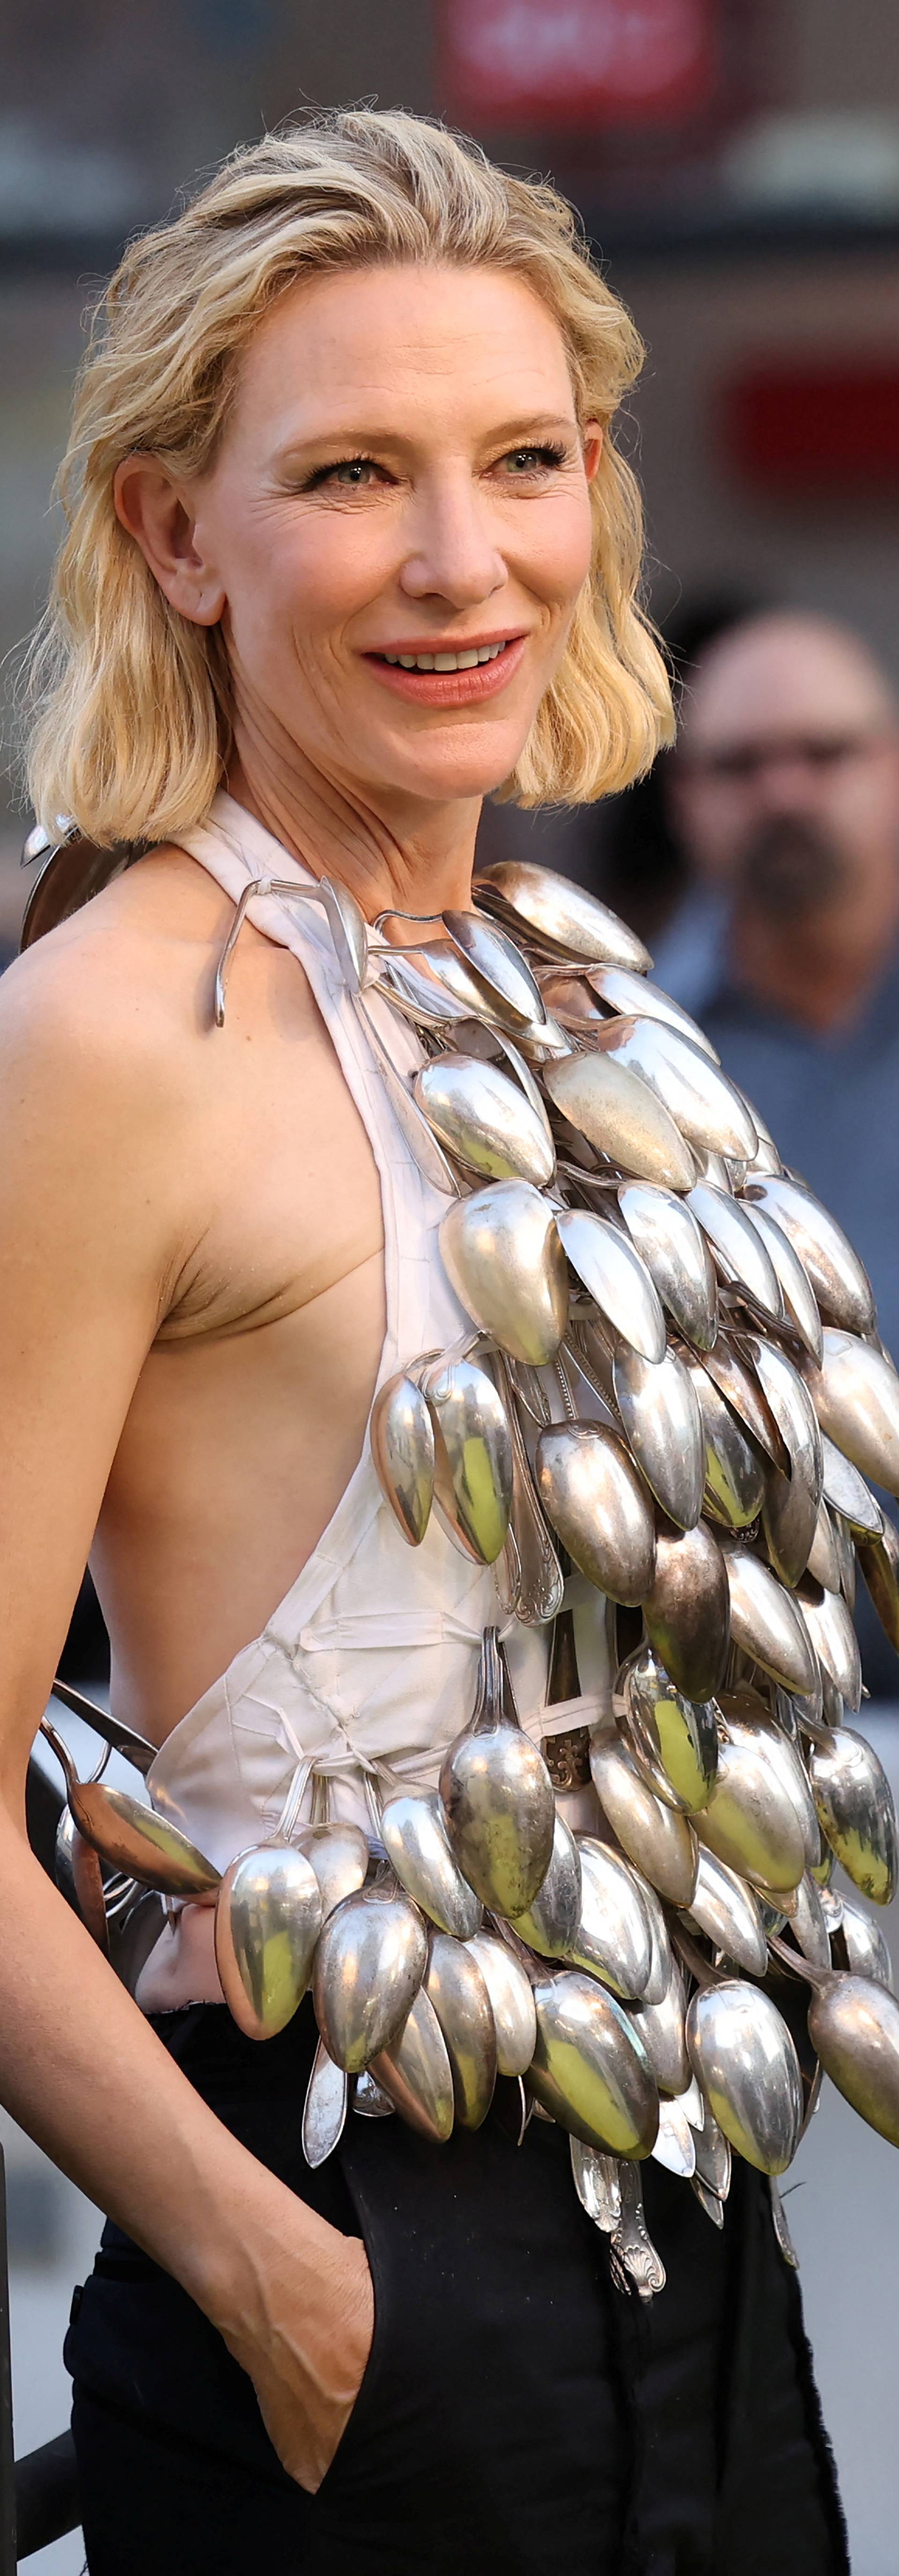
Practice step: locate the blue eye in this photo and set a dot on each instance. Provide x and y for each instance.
(534, 460)
(350, 473)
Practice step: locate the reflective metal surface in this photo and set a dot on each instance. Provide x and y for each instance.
(498, 966)
(498, 1798)
(766, 1623)
(675, 2145)
(738, 1248)
(131, 1836)
(713, 2157)
(339, 1856)
(595, 1502)
(267, 1920)
(370, 1959)
(550, 1923)
(660, 2026)
(667, 1237)
(472, 1457)
(725, 1909)
(791, 1504)
(748, 1820)
(734, 1472)
(833, 1638)
(557, 916)
(615, 1277)
(511, 2000)
(614, 1936)
(656, 1836)
(841, 1284)
(743, 2054)
(419, 1850)
(635, 998)
(135, 1749)
(879, 1561)
(402, 1447)
(735, 1378)
(456, 1987)
(846, 1491)
(504, 1258)
(856, 1398)
(483, 1118)
(633, 2258)
(855, 1806)
(416, 2075)
(663, 1426)
(800, 1302)
(674, 1740)
(854, 2027)
(80, 1878)
(707, 1108)
(661, 1952)
(622, 1118)
(598, 2185)
(325, 2108)
(866, 1948)
(589, 2069)
(687, 1610)
(538, 1574)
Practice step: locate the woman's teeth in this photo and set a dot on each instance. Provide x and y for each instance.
(445, 661)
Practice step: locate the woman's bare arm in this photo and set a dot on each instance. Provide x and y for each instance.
(97, 1179)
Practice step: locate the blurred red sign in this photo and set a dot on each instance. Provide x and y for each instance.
(576, 62)
(823, 425)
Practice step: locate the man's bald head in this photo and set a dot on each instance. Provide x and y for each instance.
(786, 780)
(782, 675)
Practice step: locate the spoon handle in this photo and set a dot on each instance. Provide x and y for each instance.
(422, 1143)
(325, 2108)
(541, 1586)
(121, 1739)
(632, 2252)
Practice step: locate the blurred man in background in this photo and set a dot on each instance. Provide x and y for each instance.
(785, 794)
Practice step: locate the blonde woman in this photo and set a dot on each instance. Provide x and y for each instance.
(350, 547)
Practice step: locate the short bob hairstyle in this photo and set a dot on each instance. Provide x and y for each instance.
(132, 729)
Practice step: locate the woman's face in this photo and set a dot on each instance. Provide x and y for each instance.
(402, 482)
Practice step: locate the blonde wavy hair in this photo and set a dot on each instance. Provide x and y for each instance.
(131, 703)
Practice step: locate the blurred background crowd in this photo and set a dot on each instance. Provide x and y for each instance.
(736, 165)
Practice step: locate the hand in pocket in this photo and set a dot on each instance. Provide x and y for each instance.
(308, 2361)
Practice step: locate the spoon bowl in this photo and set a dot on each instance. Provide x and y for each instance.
(267, 1921)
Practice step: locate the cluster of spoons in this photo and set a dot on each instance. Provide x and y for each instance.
(671, 1381)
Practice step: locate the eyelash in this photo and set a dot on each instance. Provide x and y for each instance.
(550, 452)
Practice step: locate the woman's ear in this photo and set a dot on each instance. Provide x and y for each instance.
(157, 513)
(592, 443)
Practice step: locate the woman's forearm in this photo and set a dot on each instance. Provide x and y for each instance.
(88, 2079)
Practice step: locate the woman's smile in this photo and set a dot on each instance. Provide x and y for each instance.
(449, 675)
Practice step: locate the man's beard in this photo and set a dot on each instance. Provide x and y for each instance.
(790, 867)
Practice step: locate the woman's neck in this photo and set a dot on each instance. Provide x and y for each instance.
(419, 861)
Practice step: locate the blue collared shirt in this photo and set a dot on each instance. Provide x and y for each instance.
(831, 1101)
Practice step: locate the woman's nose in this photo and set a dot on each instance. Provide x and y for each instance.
(453, 555)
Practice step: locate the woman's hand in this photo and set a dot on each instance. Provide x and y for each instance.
(307, 2355)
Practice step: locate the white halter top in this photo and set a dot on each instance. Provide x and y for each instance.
(371, 1659)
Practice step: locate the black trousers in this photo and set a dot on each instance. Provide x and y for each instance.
(518, 2415)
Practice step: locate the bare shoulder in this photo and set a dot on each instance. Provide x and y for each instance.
(100, 1027)
(109, 977)
(120, 997)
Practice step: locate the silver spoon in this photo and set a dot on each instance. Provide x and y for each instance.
(132, 1837)
(498, 1797)
(325, 2108)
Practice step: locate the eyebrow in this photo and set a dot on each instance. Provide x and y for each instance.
(530, 425)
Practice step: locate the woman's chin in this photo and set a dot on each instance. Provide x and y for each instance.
(448, 772)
